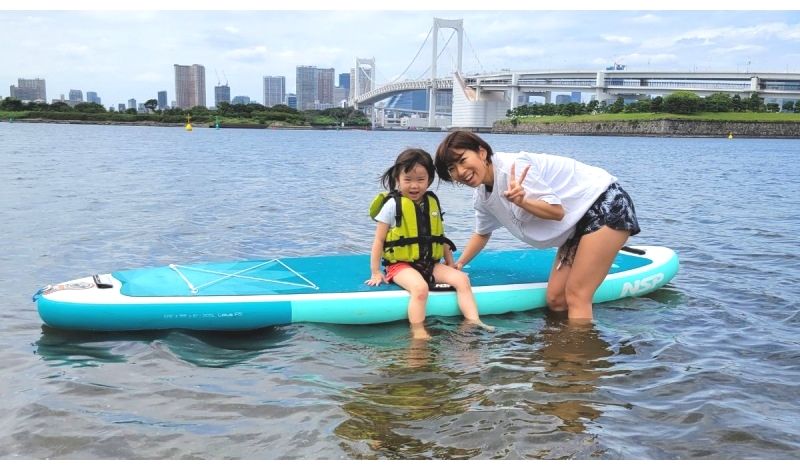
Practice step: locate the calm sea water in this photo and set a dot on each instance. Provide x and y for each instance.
(706, 368)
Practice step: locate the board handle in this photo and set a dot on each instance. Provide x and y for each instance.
(635, 251)
(100, 284)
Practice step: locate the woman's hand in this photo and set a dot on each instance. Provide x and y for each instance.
(376, 279)
(515, 192)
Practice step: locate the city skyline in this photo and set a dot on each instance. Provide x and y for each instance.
(130, 54)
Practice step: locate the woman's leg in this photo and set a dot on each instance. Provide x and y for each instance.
(412, 281)
(556, 283)
(596, 252)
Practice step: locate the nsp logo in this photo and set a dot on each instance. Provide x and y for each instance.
(641, 285)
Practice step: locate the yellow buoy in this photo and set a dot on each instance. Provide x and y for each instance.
(188, 126)
(730, 135)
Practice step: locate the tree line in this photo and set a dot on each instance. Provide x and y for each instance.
(681, 102)
(252, 112)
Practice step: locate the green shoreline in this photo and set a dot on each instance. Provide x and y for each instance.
(200, 125)
(754, 125)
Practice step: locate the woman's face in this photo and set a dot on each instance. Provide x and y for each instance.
(470, 168)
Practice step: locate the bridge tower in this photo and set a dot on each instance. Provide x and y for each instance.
(457, 25)
(364, 79)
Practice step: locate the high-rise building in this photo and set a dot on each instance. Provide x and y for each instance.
(222, 94)
(274, 90)
(76, 96)
(91, 97)
(162, 100)
(344, 82)
(29, 89)
(121, 107)
(563, 99)
(339, 96)
(190, 85)
(291, 100)
(131, 103)
(241, 100)
(325, 81)
(314, 88)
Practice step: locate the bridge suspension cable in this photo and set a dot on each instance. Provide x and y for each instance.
(414, 59)
(475, 54)
(438, 56)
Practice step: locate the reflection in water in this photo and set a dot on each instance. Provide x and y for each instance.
(204, 349)
(573, 357)
(417, 406)
(411, 392)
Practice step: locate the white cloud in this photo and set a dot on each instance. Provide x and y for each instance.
(645, 19)
(515, 52)
(148, 77)
(73, 49)
(709, 36)
(619, 39)
(248, 54)
(647, 59)
(746, 48)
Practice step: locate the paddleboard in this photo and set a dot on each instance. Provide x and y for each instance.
(243, 295)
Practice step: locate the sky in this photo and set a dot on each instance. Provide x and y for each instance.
(123, 54)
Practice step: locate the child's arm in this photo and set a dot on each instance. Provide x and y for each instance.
(376, 254)
(448, 256)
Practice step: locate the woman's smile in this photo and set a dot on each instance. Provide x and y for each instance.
(472, 170)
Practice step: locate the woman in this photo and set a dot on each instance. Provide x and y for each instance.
(545, 201)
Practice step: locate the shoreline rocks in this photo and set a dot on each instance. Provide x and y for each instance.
(656, 128)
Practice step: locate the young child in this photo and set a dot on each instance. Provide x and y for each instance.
(410, 239)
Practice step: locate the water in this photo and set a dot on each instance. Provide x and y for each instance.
(705, 368)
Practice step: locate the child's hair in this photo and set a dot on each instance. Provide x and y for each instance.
(404, 163)
(453, 146)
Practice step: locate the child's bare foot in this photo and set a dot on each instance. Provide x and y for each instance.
(480, 325)
(418, 331)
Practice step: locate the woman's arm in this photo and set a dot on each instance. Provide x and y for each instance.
(539, 208)
(542, 209)
(376, 254)
(474, 246)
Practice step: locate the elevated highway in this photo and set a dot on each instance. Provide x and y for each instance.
(480, 99)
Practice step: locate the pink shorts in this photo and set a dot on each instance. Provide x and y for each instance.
(394, 268)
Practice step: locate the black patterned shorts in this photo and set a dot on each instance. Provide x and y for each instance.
(614, 208)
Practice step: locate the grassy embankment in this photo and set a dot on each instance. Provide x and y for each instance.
(207, 120)
(727, 117)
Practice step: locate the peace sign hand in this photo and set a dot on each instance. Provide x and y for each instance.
(516, 193)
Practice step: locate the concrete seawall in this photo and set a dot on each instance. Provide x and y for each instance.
(661, 128)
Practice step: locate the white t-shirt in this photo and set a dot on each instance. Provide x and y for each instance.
(551, 178)
(388, 212)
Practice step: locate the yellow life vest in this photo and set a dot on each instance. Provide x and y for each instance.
(418, 232)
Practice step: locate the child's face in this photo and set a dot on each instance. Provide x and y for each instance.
(414, 183)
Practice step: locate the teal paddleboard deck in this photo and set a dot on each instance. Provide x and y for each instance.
(242, 295)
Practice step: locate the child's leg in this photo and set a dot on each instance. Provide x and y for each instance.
(466, 299)
(460, 281)
(412, 281)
